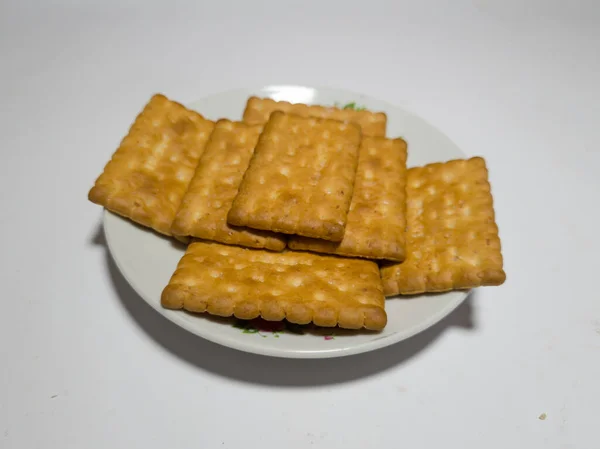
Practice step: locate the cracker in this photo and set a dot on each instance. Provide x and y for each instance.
(452, 239)
(258, 110)
(149, 173)
(377, 217)
(300, 178)
(300, 287)
(203, 211)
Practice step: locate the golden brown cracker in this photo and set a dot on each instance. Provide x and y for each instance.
(258, 110)
(203, 211)
(377, 216)
(150, 171)
(452, 239)
(300, 287)
(300, 178)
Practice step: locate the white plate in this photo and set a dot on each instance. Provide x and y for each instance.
(147, 260)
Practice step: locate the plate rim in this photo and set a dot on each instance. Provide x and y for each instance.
(242, 345)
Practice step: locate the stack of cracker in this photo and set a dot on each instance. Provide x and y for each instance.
(304, 213)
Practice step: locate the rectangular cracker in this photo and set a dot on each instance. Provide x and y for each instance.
(300, 178)
(452, 238)
(150, 171)
(204, 208)
(300, 287)
(377, 216)
(258, 110)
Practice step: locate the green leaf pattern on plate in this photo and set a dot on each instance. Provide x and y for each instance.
(351, 105)
(265, 328)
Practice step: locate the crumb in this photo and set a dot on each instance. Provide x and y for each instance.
(542, 417)
(53, 396)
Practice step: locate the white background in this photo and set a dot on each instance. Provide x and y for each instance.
(85, 363)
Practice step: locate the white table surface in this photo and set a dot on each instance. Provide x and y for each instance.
(85, 363)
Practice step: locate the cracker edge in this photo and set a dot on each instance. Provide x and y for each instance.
(179, 296)
(100, 196)
(495, 277)
(253, 99)
(335, 232)
(276, 243)
(320, 246)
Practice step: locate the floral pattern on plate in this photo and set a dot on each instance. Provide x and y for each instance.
(266, 328)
